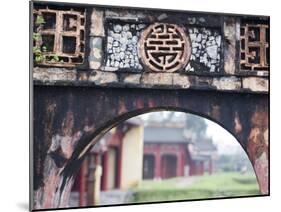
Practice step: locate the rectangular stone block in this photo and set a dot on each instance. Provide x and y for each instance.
(103, 78)
(200, 82)
(230, 32)
(256, 84)
(132, 79)
(95, 57)
(181, 80)
(97, 27)
(54, 74)
(157, 79)
(227, 83)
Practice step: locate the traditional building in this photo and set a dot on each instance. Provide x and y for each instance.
(165, 152)
(170, 152)
(202, 153)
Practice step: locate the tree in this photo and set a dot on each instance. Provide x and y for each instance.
(197, 125)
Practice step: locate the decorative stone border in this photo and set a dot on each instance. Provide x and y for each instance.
(55, 76)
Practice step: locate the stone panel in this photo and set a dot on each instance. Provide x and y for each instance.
(97, 27)
(255, 84)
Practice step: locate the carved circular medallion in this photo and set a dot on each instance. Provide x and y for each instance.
(164, 47)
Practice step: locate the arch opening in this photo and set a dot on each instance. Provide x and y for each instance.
(185, 170)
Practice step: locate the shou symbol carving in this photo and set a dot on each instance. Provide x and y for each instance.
(254, 46)
(164, 47)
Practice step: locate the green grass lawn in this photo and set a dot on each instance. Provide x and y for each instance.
(207, 186)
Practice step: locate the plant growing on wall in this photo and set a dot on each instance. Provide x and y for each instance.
(38, 55)
(37, 40)
(38, 46)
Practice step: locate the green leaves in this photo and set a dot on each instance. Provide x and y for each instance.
(39, 49)
(39, 20)
(39, 58)
(44, 48)
(55, 59)
(36, 36)
(36, 49)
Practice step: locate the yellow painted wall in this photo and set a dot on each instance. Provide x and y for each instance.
(112, 163)
(132, 157)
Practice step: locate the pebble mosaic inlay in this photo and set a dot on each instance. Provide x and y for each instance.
(122, 40)
(206, 50)
(122, 47)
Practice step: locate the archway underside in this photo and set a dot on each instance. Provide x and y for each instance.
(68, 121)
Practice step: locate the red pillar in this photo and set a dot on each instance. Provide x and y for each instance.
(157, 170)
(195, 167)
(182, 163)
(119, 164)
(82, 185)
(179, 165)
(201, 167)
(210, 167)
(191, 168)
(104, 171)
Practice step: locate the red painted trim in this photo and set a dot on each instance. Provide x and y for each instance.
(104, 185)
(82, 185)
(183, 158)
(178, 165)
(119, 166)
(181, 163)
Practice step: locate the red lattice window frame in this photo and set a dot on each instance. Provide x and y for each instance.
(254, 42)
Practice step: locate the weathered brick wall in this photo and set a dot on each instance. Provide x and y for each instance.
(113, 57)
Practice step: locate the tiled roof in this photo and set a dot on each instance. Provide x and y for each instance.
(164, 135)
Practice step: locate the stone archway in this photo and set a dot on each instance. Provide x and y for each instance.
(103, 65)
(70, 130)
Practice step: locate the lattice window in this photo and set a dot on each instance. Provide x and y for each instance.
(254, 40)
(59, 36)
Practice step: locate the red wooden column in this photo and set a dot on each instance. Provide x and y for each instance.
(201, 167)
(119, 163)
(179, 164)
(210, 166)
(104, 171)
(157, 168)
(82, 185)
(182, 164)
(191, 169)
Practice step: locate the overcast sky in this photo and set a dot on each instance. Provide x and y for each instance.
(224, 141)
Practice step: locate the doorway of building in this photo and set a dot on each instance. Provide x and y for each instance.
(148, 166)
(169, 168)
